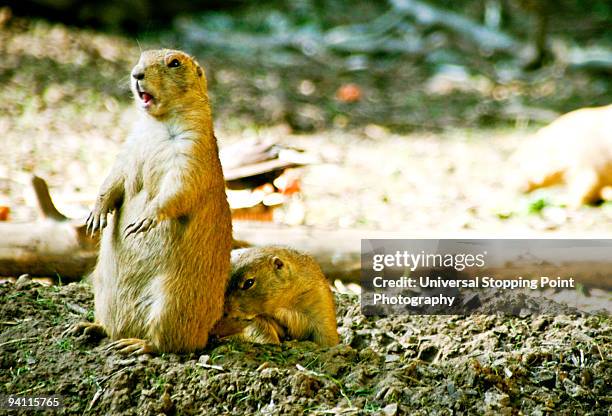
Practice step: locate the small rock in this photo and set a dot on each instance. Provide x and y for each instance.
(390, 409)
(390, 358)
(501, 329)
(142, 358)
(540, 323)
(23, 280)
(494, 399)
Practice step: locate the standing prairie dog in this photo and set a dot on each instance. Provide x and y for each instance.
(277, 293)
(165, 252)
(576, 149)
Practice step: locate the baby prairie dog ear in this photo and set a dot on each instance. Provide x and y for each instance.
(199, 70)
(277, 263)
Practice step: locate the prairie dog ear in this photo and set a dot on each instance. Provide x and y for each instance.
(278, 263)
(199, 70)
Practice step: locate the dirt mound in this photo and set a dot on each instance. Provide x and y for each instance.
(389, 365)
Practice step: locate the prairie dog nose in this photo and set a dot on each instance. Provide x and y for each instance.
(138, 74)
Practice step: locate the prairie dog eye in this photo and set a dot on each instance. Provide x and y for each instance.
(174, 63)
(248, 284)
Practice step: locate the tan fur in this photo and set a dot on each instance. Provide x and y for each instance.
(290, 298)
(575, 149)
(165, 254)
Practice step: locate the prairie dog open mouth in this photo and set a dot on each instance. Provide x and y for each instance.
(144, 96)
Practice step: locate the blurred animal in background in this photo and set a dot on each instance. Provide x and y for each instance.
(575, 149)
(260, 175)
(276, 294)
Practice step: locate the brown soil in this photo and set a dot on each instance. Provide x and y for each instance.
(384, 365)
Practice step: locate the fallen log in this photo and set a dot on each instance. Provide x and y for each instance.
(54, 246)
(57, 246)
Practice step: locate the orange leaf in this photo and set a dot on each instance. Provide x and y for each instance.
(349, 93)
(4, 213)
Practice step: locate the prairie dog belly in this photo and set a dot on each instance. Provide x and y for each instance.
(135, 245)
(131, 269)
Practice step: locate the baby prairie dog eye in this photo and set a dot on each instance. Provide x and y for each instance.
(248, 284)
(174, 63)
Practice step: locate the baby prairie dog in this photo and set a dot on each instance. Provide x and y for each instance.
(165, 252)
(277, 293)
(575, 149)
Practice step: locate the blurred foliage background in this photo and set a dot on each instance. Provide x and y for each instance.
(408, 64)
(420, 102)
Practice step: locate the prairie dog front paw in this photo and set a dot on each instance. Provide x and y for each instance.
(97, 217)
(141, 225)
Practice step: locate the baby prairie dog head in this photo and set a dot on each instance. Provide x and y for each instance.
(166, 80)
(259, 281)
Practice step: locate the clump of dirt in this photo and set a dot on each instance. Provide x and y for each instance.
(384, 365)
